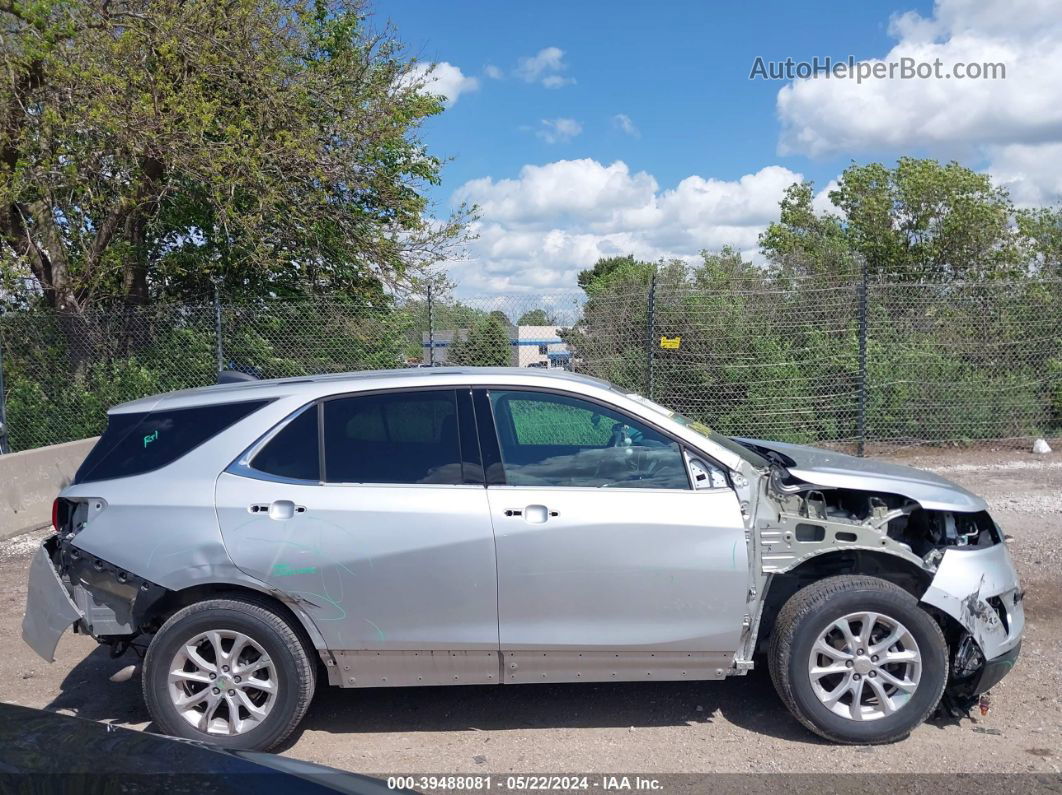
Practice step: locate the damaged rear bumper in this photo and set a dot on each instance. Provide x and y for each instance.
(49, 608)
(68, 587)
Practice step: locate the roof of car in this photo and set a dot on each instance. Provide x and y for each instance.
(304, 389)
(311, 385)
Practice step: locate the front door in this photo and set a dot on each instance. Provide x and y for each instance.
(385, 537)
(603, 546)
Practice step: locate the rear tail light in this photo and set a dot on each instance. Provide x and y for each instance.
(55, 514)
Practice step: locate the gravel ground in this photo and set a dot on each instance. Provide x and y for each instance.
(735, 726)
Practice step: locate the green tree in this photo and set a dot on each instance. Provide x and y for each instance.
(536, 317)
(801, 242)
(918, 220)
(501, 317)
(149, 147)
(609, 339)
(1041, 230)
(605, 267)
(486, 344)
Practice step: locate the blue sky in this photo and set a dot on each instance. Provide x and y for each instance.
(679, 70)
(599, 125)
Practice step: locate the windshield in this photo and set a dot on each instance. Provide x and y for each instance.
(701, 429)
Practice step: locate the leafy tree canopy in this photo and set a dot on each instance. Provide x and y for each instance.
(920, 219)
(609, 270)
(501, 317)
(150, 147)
(1041, 235)
(606, 266)
(485, 345)
(536, 317)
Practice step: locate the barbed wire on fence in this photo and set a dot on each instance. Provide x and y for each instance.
(800, 359)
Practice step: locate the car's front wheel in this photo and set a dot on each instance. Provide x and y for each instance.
(856, 659)
(229, 671)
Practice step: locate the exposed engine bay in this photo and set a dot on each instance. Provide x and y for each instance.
(954, 562)
(922, 533)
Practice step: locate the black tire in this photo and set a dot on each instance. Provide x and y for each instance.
(285, 645)
(809, 612)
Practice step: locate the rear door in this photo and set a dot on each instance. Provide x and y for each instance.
(602, 543)
(370, 510)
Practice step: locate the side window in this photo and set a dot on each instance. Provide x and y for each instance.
(137, 443)
(294, 451)
(396, 437)
(555, 440)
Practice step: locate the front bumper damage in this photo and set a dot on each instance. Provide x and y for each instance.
(67, 588)
(979, 589)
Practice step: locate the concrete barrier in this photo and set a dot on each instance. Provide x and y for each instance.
(30, 481)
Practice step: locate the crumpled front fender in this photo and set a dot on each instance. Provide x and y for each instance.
(979, 588)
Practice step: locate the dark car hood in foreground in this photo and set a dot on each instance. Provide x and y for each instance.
(84, 756)
(837, 470)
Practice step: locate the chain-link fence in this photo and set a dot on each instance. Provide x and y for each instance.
(814, 360)
(799, 359)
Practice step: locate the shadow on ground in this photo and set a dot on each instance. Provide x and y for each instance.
(749, 702)
(88, 692)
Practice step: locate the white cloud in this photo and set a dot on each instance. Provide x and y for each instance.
(821, 203)
(544, 67)
(623, 122)
(1031, 172)
(1010, 124)
(557, 81)
(493, 72)
(443, 78)
(554, 131)
(539, 229)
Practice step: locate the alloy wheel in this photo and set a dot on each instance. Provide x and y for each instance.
(223, 682)
(865, 666)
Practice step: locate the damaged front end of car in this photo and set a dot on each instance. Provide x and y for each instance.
(825, 513)
(979, 589)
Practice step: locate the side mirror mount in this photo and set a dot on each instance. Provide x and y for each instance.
(705, 475)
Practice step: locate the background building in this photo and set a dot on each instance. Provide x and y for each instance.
(529, 346)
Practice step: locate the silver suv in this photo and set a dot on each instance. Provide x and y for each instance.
(510, 526)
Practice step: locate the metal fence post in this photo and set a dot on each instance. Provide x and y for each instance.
(4, 448)
(431, 328)
(650, 326)
(218, 346)
(861, 406)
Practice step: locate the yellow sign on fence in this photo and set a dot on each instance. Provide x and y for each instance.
(671, 343)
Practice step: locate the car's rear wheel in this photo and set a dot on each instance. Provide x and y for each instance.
(856, 660)
(229, 671)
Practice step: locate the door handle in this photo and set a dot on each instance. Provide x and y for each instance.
(534, 514)
(278, 509)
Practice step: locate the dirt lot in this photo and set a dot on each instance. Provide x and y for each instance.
(734, 726)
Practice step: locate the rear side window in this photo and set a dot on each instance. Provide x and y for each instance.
(294, 451)
(397, 437)
(137, 443)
